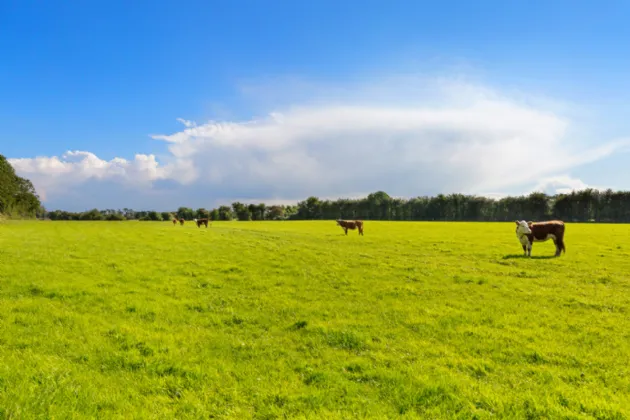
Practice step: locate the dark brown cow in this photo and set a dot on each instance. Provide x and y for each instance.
(174, 222)
(201, 222)
(181, 221)
(352, 225)
(530, 232)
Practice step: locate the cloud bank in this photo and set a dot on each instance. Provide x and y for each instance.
(472, 140)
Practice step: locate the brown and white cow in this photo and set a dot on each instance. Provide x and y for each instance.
(352, 225)
(530, 232)
(201, 222)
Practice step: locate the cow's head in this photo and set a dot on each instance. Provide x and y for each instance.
(522, 228)
(195, 220)
(339, 222)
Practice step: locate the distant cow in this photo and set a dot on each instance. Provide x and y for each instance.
(201, 222)
(530, 232)
(181, 221)
(351, 224)
(174, 222)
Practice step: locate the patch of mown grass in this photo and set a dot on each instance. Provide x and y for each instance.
(294, 319)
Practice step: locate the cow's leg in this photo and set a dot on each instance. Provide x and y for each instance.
(529, 249)
(524, 250)
(346, 230)
(556, 242)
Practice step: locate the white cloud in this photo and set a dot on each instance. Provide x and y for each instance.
(562, 184)
(54, 176)
(187, 123)
(471, 140)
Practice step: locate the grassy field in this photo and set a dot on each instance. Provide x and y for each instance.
(296, 320)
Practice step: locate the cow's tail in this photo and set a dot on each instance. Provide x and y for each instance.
(561, 244)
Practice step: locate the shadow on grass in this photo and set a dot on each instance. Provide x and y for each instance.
(533, 257)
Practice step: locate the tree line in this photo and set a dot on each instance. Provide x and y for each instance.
(18, 197)
(580, 206)
(237, 211)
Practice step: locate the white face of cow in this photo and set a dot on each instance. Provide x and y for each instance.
(522, 228)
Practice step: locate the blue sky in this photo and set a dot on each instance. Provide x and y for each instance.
(416, 94)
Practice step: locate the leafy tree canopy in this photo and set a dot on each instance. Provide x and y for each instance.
(18, 197)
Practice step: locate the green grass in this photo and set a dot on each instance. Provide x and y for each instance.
(296, 320)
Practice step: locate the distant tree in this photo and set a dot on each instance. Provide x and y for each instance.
(115, 217)
(253, 211)
(605, 206)
(225, 213)
(241, 211)
(379, 203)
(154, 216)
(275, 213)
(41, 212)
(290, 211)
(185, 213)
(18, 197)
(311, 208)
(166, 216)
(93, 214)
(201, 213)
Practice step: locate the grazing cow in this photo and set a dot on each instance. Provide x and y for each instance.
(530, 232)
(181, 221)
(174, 222)
(201, 222)
(351, 224)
